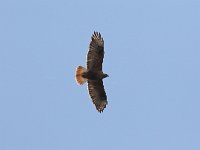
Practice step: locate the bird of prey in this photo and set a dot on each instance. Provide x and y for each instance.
(94, 75)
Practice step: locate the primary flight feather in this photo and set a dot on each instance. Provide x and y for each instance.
(94, 75)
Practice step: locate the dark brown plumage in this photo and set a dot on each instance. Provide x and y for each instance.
(94, 74)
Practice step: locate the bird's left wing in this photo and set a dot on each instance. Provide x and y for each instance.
(98, 94)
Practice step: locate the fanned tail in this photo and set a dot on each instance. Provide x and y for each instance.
(79, 72)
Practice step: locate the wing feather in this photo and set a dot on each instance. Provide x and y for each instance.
(96, 52)
(98, 94)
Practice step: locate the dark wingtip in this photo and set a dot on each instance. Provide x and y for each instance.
(97, 39)
(101, 108)
(97, 33)
(100, 111)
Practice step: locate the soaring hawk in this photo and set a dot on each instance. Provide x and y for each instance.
(94, 75)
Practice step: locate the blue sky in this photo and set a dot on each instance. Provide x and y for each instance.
(152, 56)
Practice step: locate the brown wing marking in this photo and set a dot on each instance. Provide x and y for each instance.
(96, 52)
(97, 93)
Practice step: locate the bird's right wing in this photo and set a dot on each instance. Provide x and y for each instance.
(96, 52)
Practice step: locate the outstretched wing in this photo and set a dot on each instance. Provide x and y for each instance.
(96, 52)
(98, 94)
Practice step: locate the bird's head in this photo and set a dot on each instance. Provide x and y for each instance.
(105, 75)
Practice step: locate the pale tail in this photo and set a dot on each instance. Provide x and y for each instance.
(79, 72)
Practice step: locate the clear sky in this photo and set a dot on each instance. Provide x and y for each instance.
(152, 56)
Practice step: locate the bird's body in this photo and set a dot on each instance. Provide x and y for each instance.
(94, 74)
